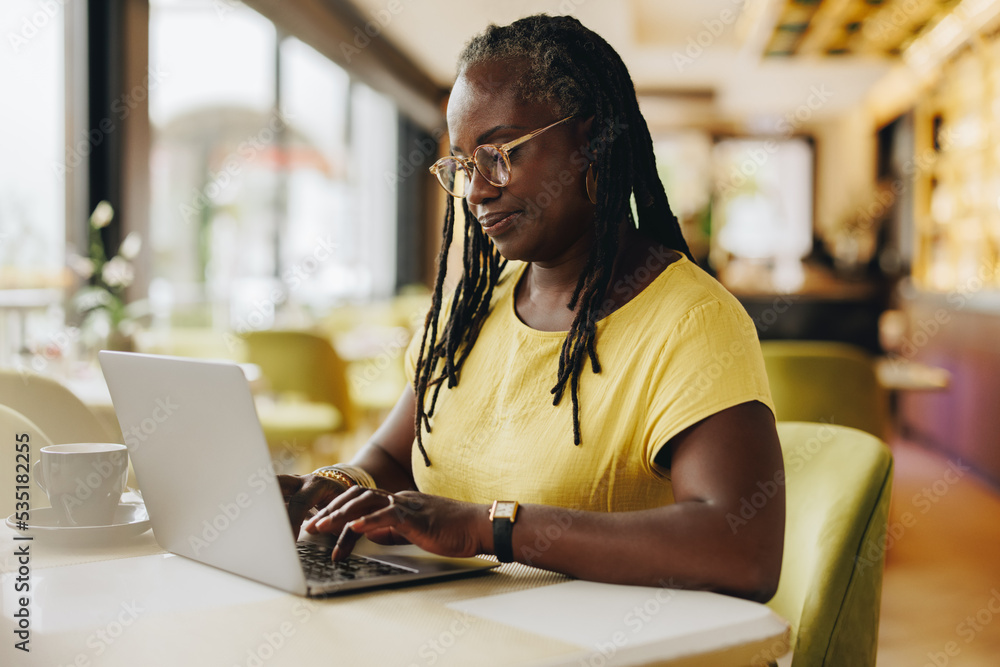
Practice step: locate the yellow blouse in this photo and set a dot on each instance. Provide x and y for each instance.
(679, 351)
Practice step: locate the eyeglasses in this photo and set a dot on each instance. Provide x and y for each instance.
(492, 161)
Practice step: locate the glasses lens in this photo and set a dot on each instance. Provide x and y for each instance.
(491, 164)
(451, 175)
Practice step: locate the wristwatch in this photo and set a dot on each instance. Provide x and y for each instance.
(502, 515)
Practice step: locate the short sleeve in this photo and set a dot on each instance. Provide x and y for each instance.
(711, 361)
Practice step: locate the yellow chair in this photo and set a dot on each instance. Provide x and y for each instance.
(309, 383)
(837, 484)
(16, 429)
(199, 343)
(818, 381)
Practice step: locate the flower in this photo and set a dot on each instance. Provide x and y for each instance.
(101, 299)
(131, 246)
(117, 272)
(102, 215)
(81, 266)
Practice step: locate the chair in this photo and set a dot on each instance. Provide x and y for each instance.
(57, 410)
(309, 381)
(818, 381)
(837, 484)
(13, 427)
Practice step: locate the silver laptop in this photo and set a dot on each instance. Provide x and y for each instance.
(205, 473)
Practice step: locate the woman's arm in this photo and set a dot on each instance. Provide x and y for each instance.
(725, 531)
(718, 535)
(386, 457)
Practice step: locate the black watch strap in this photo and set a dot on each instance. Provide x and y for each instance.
(503, 540)
(502, 515)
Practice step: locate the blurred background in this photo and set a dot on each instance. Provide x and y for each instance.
(248, 181)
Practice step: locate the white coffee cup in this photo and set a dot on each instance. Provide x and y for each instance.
(84, 481)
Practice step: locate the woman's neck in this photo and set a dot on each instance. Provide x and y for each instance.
(547, 287)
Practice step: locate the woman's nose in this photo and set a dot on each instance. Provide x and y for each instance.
(480, 189)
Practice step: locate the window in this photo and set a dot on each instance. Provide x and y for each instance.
(268, 172)
(33, 176)
(32, 217)
(762, 215)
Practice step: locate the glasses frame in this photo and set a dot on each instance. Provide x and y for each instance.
(468, 164)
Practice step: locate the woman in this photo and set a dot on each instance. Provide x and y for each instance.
(642, 475)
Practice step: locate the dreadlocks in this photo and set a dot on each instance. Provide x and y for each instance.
(574, 70)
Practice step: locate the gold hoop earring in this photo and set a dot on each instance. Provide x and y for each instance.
(591, 183)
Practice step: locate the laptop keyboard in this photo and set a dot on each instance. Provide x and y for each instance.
(316, 564)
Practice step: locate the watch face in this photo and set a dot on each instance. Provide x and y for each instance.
(505, 509)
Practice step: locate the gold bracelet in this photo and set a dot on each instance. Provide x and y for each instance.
(336, 475)
(359, 475)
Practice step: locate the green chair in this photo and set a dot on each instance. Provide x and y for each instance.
(309, 382)
(818, 381)
(837, 484)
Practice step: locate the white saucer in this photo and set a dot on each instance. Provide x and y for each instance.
(130, 520)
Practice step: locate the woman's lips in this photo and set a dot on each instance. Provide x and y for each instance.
(497, 226)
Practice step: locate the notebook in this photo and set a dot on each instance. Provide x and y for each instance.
(205, 473)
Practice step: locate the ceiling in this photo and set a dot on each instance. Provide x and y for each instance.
(687, 57)
(840, 27)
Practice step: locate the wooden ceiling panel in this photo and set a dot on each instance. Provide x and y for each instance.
(853, 27)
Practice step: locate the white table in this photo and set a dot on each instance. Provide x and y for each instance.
(132, 604)
(20, 303)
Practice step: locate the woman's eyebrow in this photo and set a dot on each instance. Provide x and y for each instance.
(485, 136)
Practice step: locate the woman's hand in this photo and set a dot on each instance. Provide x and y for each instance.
(304, 492)
(439, 525)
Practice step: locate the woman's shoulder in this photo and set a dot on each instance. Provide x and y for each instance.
(694, 284)
(681, 291)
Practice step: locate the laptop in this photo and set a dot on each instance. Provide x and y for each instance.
(205, 472)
